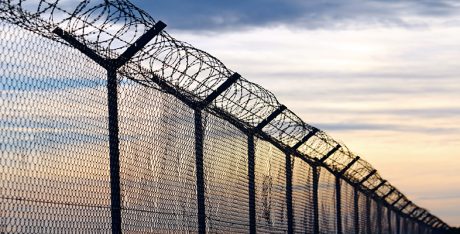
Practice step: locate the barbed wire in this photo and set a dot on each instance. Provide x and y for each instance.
(111, 26)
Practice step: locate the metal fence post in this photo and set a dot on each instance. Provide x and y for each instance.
(315, 199)
(199, 147)
(330, 153)
(409, 225)
(389, 219)
(338, 203)
(368, 214)
(114, 150)
(379, 217)
(251, 183)
(368, 201)
(356, 208)
(405, 226)
(338, 193)
(290, 216)
(401, 224)
(200, 185)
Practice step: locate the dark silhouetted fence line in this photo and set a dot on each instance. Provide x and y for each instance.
(102, 110)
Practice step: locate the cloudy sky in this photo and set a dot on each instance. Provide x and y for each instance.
(381, 76)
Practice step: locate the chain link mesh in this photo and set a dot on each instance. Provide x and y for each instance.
(270, 180)
(54, 139)
(302, 197)
(55, 167)
(326, 202)
(374, 217)
(362, 213)
(347, 207)
(226, 181)
(157, 161)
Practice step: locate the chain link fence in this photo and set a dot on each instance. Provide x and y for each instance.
(109, 124)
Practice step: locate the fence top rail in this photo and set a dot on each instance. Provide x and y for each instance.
(110, 27)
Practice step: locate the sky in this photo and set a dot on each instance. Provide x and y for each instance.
(380, 76)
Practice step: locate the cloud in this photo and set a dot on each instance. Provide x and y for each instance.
(388, 90)
(419, 112)
(347, 126)
(228, 15)
(440, 197)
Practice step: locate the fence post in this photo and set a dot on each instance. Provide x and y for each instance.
(368, 214)
(404, 220)
(397, 200)
(404, 207)
(251, 183)
(379, 217)
(408, 225)
(290, 216)
(338, 193)
(388, 208)
(405, 225)
(356, 208)
(389, 220)
(199, 164)
(368, 201)
(330, 153)
(199, 147)
(315, 199)
(429, 221)
(111, 66)
(378, 186)
(114, 150)
(338, 202)
(401, 224)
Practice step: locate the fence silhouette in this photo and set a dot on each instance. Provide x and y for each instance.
(110, 124)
